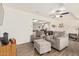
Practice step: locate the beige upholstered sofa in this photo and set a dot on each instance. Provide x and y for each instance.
(59, 40)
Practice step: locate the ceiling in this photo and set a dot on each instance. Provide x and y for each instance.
(44, 9)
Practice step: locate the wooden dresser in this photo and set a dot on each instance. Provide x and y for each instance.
(8, 50)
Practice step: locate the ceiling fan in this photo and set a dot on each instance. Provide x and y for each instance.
(59, 13)
(62, 11)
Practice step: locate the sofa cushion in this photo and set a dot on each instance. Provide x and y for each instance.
(39, 33)
(58, 34)
(42, 42)
(49, 37)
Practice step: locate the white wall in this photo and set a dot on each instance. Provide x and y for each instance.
(18, 24)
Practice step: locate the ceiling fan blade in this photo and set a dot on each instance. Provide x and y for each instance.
(65, 13)
(74, 16)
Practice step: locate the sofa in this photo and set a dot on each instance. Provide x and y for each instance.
(37, 35)
(59, 40)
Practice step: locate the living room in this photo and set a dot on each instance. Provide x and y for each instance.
(46, 29)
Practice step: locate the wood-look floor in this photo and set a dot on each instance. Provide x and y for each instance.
(27, 49)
